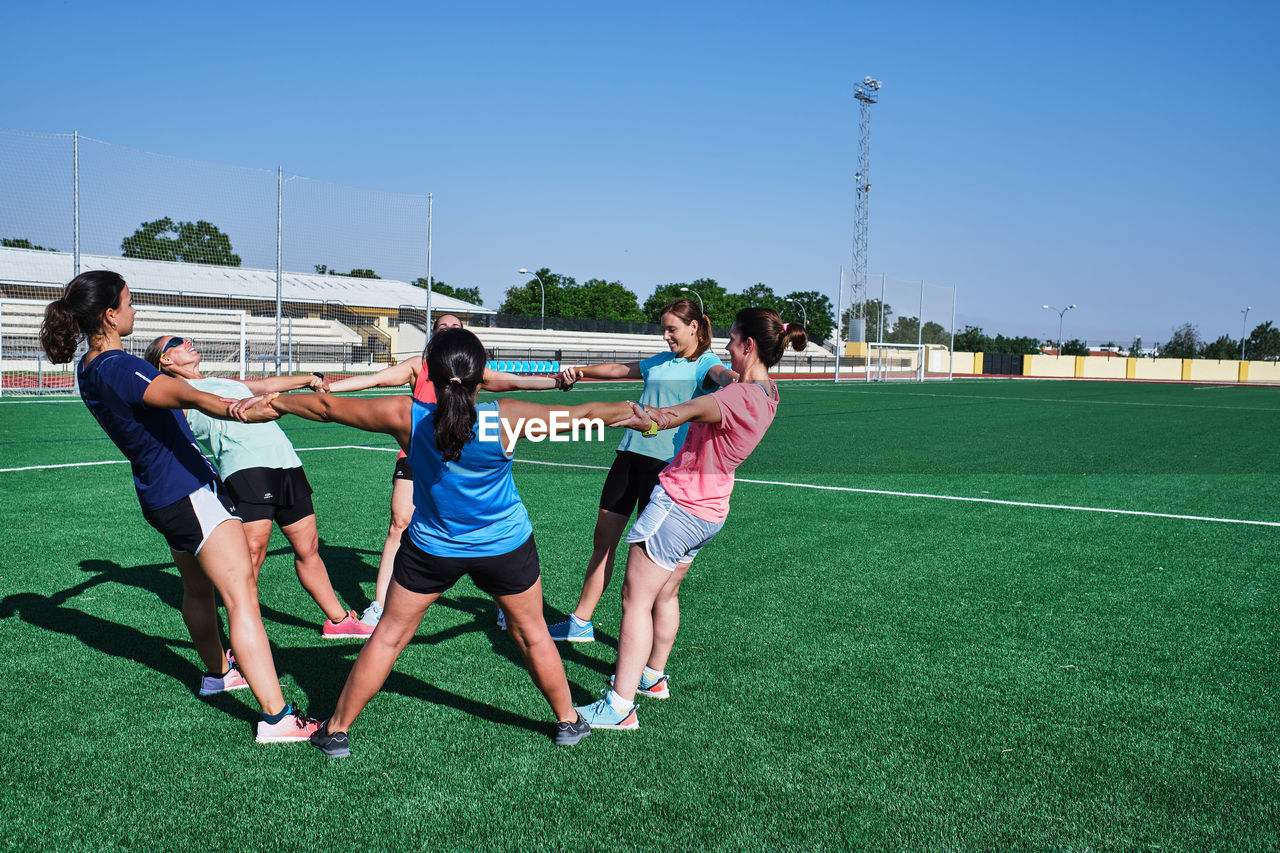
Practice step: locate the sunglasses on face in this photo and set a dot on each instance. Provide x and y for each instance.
(174, 342)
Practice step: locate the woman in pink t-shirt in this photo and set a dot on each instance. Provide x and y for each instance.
(688, 507)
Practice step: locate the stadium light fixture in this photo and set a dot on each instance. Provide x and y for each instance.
(1060, 313)
(542, 324)
(1244, 324)
(804, 315)
(701, 310)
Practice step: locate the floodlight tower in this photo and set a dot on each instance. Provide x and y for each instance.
(867, 93)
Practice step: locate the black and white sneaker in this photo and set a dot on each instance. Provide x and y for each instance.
(567, 734)
(333, 745)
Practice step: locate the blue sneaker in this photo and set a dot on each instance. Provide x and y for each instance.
(572, 630)
(653, 688)
(602, 715)
(372, 614)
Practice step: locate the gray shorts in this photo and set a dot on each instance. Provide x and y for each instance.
(670, 535)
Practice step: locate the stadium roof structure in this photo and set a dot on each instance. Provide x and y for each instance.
(38, 268)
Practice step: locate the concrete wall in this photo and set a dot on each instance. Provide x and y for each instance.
(1102, 367)
(1049, 365)
(1157, 368)
(1206, 370)
(1263, 371)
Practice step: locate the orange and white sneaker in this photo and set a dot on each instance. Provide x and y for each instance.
(653, 688)
(349, 627)
(293, 726)
(229, 680)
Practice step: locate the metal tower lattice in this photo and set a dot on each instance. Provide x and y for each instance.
(867, 93)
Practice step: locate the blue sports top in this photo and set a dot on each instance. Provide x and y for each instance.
(167, 464)
(467, 508)
(669, 380)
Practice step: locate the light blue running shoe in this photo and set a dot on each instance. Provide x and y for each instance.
(372, 614)
(602, 715)
(572, 630)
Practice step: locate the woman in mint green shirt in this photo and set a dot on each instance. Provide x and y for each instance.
(688, 369)
(264, 475)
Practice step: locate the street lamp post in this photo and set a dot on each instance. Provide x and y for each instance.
(804, 315)
(1244, 324)
(1060, 313)
(542, 323)
(701, 310)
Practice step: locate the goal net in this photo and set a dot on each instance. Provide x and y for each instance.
(221, 336)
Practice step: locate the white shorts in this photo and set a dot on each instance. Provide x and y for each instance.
(670, 534)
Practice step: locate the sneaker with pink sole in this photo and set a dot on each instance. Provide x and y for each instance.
(229, 680)
(349, 627)
(293, 726)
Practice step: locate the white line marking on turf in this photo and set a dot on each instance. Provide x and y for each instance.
(848, 489)
(65, 465)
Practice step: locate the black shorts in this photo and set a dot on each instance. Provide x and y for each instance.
(404, 471)
(186, 523)
(630, 481)
(506, 574)
(263, 494)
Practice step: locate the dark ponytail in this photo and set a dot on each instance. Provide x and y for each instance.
(455, 361)
(79, 312)
(772, 336)
(688, 311)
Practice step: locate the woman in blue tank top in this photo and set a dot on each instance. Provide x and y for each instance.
(468, 518)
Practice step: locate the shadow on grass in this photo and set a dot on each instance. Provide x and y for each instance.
(320, 671)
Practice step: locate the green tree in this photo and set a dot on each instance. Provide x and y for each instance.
(818, 309)
(1014, 346)
(597, 299)
(527, 298)
(188, 242)
(715, 300)
(905, 331)
(1263, 343)
(363, 273)
(1224, 348)
(873, 310)
(973, 339)
(1135, 348)
(466, 294)
(22, 243)
(1184, 343)
(1075, 346)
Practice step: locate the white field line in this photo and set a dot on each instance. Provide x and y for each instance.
(847, 489)
(1048, 400)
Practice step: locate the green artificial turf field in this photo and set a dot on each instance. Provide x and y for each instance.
(865, 661)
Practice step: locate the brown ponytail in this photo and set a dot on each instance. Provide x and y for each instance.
(688, 311)
(455, 361)
(79, 312)
(772, 336)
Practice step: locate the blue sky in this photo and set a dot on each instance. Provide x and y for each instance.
(1120, 156)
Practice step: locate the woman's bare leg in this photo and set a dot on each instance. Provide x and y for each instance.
(528, 628)
(401, 616)
(314, 577)
(604, 544)
(666, 618)
(645, 580)
(401, 515)
(224, 560)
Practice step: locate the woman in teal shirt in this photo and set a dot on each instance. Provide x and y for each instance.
(688, 369)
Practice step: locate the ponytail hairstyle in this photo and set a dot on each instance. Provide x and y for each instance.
(153, 353)
(79, 312)
(455, 361)
(772, 336)
(688, 311)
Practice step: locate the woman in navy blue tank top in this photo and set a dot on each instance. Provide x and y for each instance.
(180, 492)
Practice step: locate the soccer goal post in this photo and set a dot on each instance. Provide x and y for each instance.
(25, 370)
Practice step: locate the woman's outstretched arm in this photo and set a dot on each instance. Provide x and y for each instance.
(389, 415)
